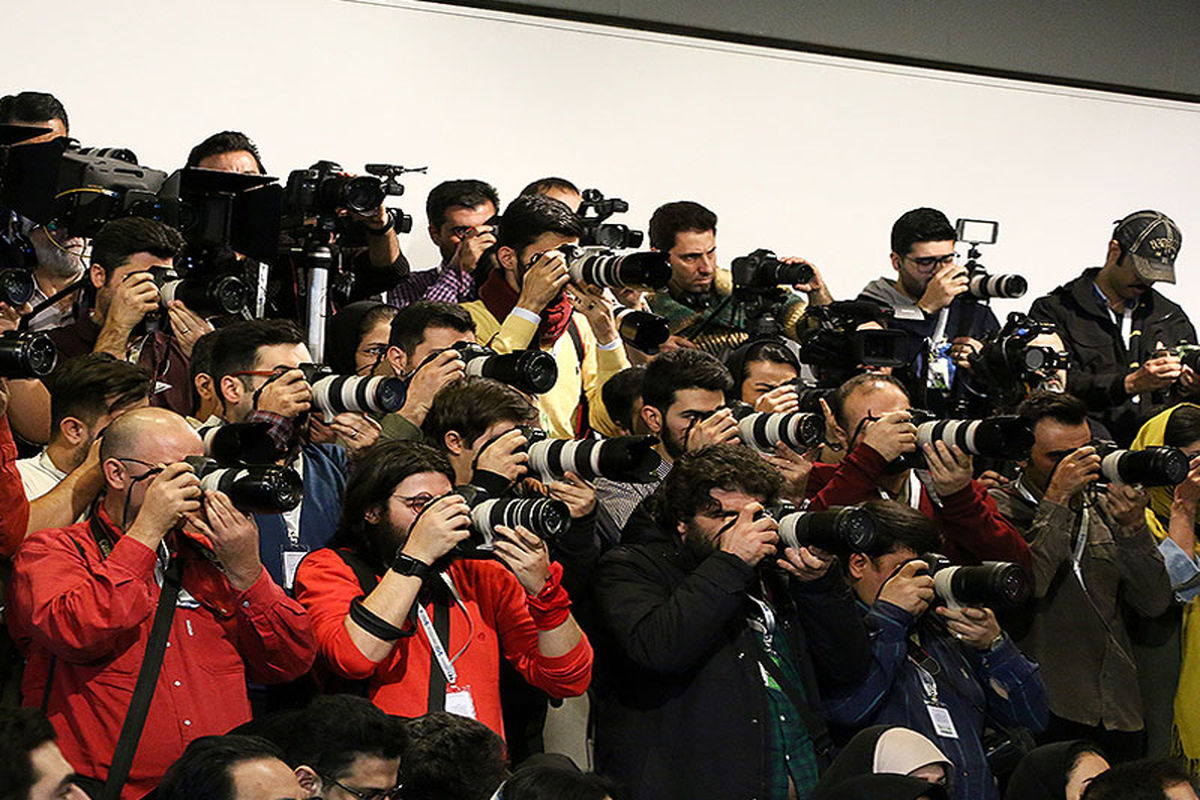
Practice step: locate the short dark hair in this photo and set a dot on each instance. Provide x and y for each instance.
(543, 185)
(451, 758)
(682, 369)
(237, 346)
(411, 322)
(225, 142)
(687, 489)
(201, 361)
(203, 771)
(1183, 428)
(619, 393)
(465, 193)
(22, 730)
(95, 384)
(548, 782)
(1066, 409)
(837, 398)
(32, 107)
(470, 406)
(1146, 779)
(123, 238)
(683, 215)
(898, 525)
(375, 477)
(529, 216)
(336, 729)
(920, 225)
(344, 332)
(766, 350)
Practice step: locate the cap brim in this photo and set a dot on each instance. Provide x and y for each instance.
(1149, 270)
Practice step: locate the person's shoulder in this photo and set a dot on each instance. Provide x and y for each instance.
(75, 539)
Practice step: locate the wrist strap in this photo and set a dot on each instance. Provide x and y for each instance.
(375, 625)
(387, 226)
(550, 607)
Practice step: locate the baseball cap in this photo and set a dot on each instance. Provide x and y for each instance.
(1152, 241)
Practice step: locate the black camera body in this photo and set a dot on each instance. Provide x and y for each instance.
(641, 329)
(323, 189)
(831, 343)
(1153, 466)
(762, 270)
(26, 354)
(594, 210)
(994, 584)
(1010, 359)
(253, 488)
(335, 394)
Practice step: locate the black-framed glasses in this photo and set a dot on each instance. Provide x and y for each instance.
(934, 261)
(367, 794)
(154, 469)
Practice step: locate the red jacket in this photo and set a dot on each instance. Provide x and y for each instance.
(399, 684)
(88, 618)
(972, 528)
(14, 508)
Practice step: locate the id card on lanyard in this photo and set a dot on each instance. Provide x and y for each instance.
(458, 696)
(939, 715)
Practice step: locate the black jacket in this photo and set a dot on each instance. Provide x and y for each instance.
(682, 708)
(1099, 359)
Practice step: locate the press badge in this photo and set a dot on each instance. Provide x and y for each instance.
(943, 725)
(291, 562)
(459, 701)
(940, 371)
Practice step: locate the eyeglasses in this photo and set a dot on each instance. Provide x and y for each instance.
(934, 261)
(154, 468)
(367, 794)
(416, 503)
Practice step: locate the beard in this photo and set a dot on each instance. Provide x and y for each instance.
(384, 540)
(61, 262)
(912, 285)
(674, 446)
(695, 545)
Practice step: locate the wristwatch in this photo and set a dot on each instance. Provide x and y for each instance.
(405, 564)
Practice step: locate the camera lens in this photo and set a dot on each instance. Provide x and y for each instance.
(362, 194)
(798, 430)
(601, 267)
(996, 585)
(544, 518)
(16, 286)
(531, 371)
(998, 437)
(336, 394)
(259, 489)
(643, 330)
(26, 354)
(1154, 466)
(842, 530)
(984, 286)
(628, 459)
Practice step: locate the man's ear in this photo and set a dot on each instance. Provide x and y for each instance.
(114, 473)
(231, 389)
(98, 275)
(856, 565)
(435, 235)
(397, 360)
(309, 780)
(1114, 252)
(834, 433)
(653, 419)
(895, 261)
(680, 528)
(374, 514)
(73, 430)
(454, 443)
(507, 258)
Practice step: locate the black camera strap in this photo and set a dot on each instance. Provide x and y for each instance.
(438, 680)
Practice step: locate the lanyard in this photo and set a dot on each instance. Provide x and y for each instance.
(1081, 533)
(445, 662)
(927, 681)
(768, 621)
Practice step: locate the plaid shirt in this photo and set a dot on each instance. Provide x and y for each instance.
(790, 752)
(443, 283)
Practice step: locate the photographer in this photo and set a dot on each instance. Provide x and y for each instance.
(1115, 326)
(947, 675)
(460, 214)
(719, 646)
(687, 233)
(868, 417)
(84, 596)
(930, 302)
(426, 632)
(524, 303)
(1094, 563)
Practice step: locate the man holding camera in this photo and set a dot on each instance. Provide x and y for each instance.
(949, 674)
(83, 606)
(524, 303)
(393, 606)
(1121, 332)
(1094, 563)
(719, 643)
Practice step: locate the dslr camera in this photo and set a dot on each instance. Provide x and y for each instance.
(1010, 360)
(601, 266)
(545, 518)
(628, 459)
(839, 531)
(593, 212)
(994, 584)
(219, 294)
(529, 371)
(1154, 466)
(762, 269)
(1005, 437)
(26, 354)
(336, 394)
(980, 284)
(799, 430)
(253, 488)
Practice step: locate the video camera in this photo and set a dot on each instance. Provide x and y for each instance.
(838, 531)
(1010, 361)
(324, 188)
(1153, 466)
(253, 488)
(628, 459)
(980, 284)
(600, 266)
(334, 394)
(545, 518)
(831, 343)
(994, 584)
(593, 212)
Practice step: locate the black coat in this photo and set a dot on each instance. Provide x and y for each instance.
(682, 709)
(1099, 358)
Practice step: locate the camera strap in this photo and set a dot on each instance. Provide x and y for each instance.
(437, 632)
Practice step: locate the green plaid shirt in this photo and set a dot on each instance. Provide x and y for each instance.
(790, 752)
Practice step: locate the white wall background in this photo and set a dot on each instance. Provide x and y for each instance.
(806, 155)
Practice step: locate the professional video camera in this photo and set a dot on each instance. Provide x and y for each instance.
(832, 345)
(320, 191)
(25, 354)
(798, 430)
(1009, 363)
(547, 519)
(334, 394)
(600, 266)
(628, 459)
(253, 488)
(1153, 466)
(994, 584)
(1006, 437)
(530, 371)
(642, 329)
(594, 210)
(980, 284)
(839, 531)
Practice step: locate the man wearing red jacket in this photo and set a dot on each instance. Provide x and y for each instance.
(869, 419)
(426, 632)
(84, 597)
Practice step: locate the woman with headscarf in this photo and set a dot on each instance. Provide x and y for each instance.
(1059, 771)
(883, 749)
(1171, 516)
(356, 338)
(886, 787)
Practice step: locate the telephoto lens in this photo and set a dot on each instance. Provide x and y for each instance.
(1004, 436)
(994, 584)
(600, 266)
(545, 518)
(628, 459)
(26, 354)
(253, 489)
(244, 442)
(530, 371)
(983, 286)
(763, 270)
(840, 531)
(1154, 466)
(16, 286)
(220, 294)
(336, 394)
(798, 430)
(641, 329)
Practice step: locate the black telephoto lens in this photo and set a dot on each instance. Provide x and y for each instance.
(645, 331)
(26, 354)
(840, 531)
(531, 371)
(1153, 466)
(995, 584)
(16, 286)
(258, 489)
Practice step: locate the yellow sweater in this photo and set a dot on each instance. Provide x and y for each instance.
(558, 406)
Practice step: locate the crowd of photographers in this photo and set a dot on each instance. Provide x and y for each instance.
(284, 517)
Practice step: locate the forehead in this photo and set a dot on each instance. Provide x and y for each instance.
(233, 161)
(697, 400)
(270, 356)
(56, 126)
(694, 242)
(1051, 435)
(922, 249)
(549, 241)
(138, 262)
(876, 398)
(439, 337)
(733, 499)
(769, 371)
(434, 483)
(469, 215)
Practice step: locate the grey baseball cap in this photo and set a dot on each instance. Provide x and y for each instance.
(1152, 241)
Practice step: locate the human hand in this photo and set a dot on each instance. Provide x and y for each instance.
(908, 590)
(288, 395)
(993, 480)
(170, 497)
(441, 525)
(947, 283)
(526, 555)
(718, 428)
(543, 281)
(818, 293)
(1188, 493)
(804, 564)
(578, 494)
(631, 297)
(471, 247)
(187, 326)
(949, 467)
(1126, 505)
(974, 626)
(795, 467)
(961, 350)
(674, 342)
(428, 380)
(751, 537)
(1157, 372)
(356, 432)
(1073, 474)
(506, 455)
(135, 297)
(234, 538)
(598, 309)
(892, 435)
(10, 317)
(780, 400)
(1189, 381)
